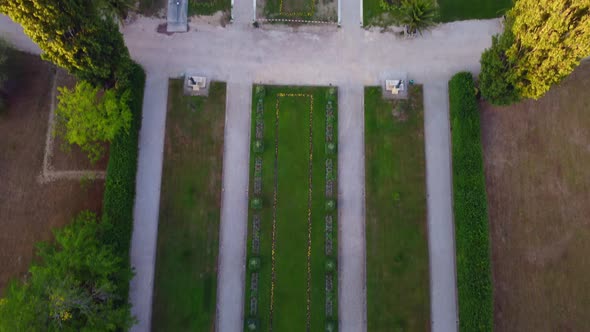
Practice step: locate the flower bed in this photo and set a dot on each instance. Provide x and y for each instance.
(284, 236)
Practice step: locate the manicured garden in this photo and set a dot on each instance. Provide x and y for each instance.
(396, 234)
(291, 279)
(472, 236)
(302, 10)
(383, 12)
(459, 10)
(188, 230)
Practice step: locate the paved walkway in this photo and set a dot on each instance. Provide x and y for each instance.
(352, 309)
(441, 241)
(348, 58)
(234, 208)
(147, 198)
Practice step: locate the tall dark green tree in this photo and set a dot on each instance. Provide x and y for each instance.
(74, 34)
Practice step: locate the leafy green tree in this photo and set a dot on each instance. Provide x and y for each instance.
(543, 41)
(71, 289)
(493, 79)
(551, 37)
(87, 119)
(417, 15)
(73, 34)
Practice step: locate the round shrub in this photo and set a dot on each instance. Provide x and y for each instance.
(330, 264)
(330, 326)
(254, 264)
(256, 203)
(252, 324)
(258, 146)
(330, 205)
(330, 148)
(260, 91)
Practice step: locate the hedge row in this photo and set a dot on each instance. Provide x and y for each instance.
(119, 195)
(474, 280)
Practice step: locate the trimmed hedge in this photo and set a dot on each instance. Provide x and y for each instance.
(474, 281)
(119, 194)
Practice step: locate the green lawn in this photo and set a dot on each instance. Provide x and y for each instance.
(188, 234)
(397, 248)
(449, 10)
(293, 213)
(457, 10)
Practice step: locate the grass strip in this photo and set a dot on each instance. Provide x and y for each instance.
(474, 281)
(397, 244)
(190, 204)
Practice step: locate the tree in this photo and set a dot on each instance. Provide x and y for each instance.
(543, 41)
(551, 37)
(86, 119)
(417, 15)
(72, 288)
(493, 80)
(73, 34)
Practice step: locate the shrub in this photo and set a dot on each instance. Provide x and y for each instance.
(330, 205)
(119, 194)
(252, 324)
(474, 280)
(260, 91)
(87, 119)
(330, 326)
(330, 148)
(72, 288)
(256, 203)
(258, 146)
(254, 264)
(330, 264)
(493, 80)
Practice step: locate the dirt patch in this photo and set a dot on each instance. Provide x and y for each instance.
(28, 209)
(538, 181)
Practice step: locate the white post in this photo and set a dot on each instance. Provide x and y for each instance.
(254, 11)
(231, 10)
(340, 12)
(361, 11)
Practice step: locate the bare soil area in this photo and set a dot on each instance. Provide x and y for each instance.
(538, 181)
(28, 209)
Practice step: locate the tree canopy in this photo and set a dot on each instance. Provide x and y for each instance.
(74, 34)
(551, 37)
(543, 42)
(87, 119)
(72, 288)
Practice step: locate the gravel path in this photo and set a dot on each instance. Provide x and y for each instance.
(234, 208)
(147, 199)
(349, 58)
(352, 309)
(441, 241)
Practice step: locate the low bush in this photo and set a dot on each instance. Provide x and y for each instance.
(330, 148)
(330, 264)
(119, 194)
(254, 264)
(474, 280)
(258, 146)
(252, 324)
(330, 205)
(256, 203)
